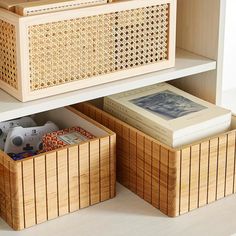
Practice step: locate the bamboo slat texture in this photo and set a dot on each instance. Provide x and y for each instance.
(175, 181)
(53, 184)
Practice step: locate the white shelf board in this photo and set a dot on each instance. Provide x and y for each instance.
(186, 64)
(229, 100)
(127, 214)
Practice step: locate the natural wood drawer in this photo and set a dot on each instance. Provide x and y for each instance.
(175, 181)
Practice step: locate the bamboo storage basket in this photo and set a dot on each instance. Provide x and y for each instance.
(175, 181)
(53, 53)
(53, 184)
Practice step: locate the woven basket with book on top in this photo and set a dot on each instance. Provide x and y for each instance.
(176, 180)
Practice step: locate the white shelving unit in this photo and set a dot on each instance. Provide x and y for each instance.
(198, 70)
(186, 64)
(228, 99)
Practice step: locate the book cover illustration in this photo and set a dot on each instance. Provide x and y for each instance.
(167, 105)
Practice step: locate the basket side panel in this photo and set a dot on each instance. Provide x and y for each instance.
(78, 49)
(8, 60)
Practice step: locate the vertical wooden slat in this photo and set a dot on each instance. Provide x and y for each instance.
(113, 165)
(194, 177)
(212, 170)
(85, 108)
(148, 171)
(92, 113)
(118, 131)
(2, 197)
(221, 167)
(28, 191)
(62, 176)
(7, 189)
(125, 157)
(140, 165)
(84, 174)
(164, 162)
(73, 163)
(173, 184)
(3, 186)
(111, 124)
(94, 172)
(104, 120)
(104, 168)
(156, 175)
(133, 161)
(40, 189)
(12, 178)
(98, 116)
(51, 183)
(185, 180)
(203, 173)
(230, 164)
(17, 196)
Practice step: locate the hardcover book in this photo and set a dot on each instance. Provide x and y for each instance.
(169, 112)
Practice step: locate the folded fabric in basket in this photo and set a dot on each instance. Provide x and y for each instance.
(62, 138)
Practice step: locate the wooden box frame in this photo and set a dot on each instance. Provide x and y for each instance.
(175, 181)
(21, 24)
(49, 185)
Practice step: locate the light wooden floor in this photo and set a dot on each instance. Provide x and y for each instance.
(128, 215)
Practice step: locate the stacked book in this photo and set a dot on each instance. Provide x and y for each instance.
(168, 114)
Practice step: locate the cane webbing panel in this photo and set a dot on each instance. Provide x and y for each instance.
(78, 49)
(8, 69)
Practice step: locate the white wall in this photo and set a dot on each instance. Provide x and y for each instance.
(229, 69)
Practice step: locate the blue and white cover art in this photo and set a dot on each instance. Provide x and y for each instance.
(167, 105)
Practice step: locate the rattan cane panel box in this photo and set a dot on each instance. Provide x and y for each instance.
(44, 187)
(175, 181)
(52, 53)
